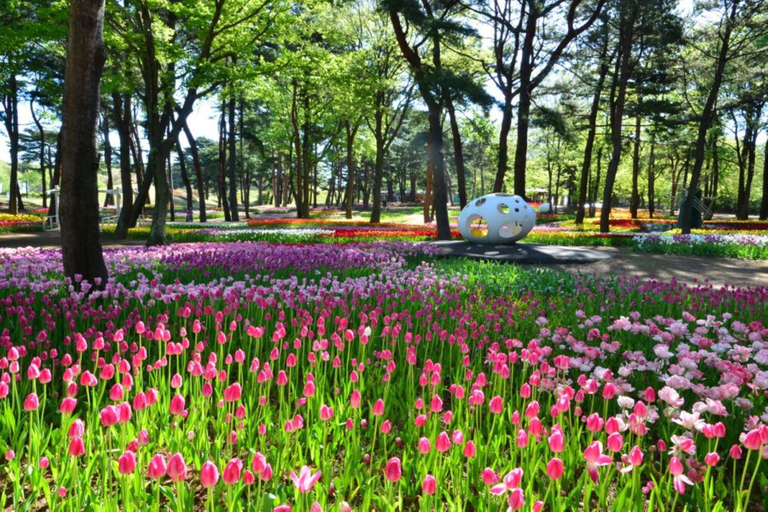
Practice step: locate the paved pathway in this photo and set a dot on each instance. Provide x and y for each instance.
(664, 267)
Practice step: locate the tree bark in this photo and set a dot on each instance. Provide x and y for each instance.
(651, 183)
(11, 107)
(764, 201)
(108, 198)
(80, 238)
(121, 110)
(351, 133)
(524, 102)
(617, 113)
(41, 132)
(707, 115)
(198, 169)
(634, 202)
(593, 112)
(458, 154)
(232, 166)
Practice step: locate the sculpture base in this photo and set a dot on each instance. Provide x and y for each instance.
(521, 252)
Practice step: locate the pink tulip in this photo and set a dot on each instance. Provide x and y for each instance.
(594, 422)
(424, 446)
(443, 442)
(68, 405)
(711, 459)
(282, 508)
(470, 450)
(326, 413)
(496, 405)
(393, 470)
(305, 480)
(177, 468)
(43, 463)
(556, 441)
(232, 471)
(511, 481)
(489, 476)
(259, 463)
(615, 442)
(209, 474)
(752, 440)
(436, 405)
(266, 475)
(516, 499)
(31, 403)
(109, 416)
(126, 463)
(157, 467)
(177, 405)
(378, 407)
(735, 452)
(429, 485)
(595, 459)
(555, 469)
(76, 429)
(62, 492)
(679, 479)
(76, 447)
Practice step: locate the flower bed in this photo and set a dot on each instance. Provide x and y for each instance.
(752, 247)
(258, 376)
(21, 223)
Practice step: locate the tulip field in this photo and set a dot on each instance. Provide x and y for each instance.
(374, 376)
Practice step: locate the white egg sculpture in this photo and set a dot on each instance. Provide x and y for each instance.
(496, 219)
(545, 208)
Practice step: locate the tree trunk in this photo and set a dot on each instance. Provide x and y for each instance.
(232, 166)
(80, 238)
(764, 201)
(378, 168)
(617, 113)
(108, 198)
(351, 133)
(707, 115)
(594, 110)
(524, 101)
(11, 107)
(121, 110)
(634, 203)
(440, 190)
(596, 186)
(222, 182)
(458, 154)
(198, 170)
(41, 132)
(185, 180)
(651, 183)
(506, 126)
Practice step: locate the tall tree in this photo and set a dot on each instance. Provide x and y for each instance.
(527, 44)
(742, 24)
(86, 54)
